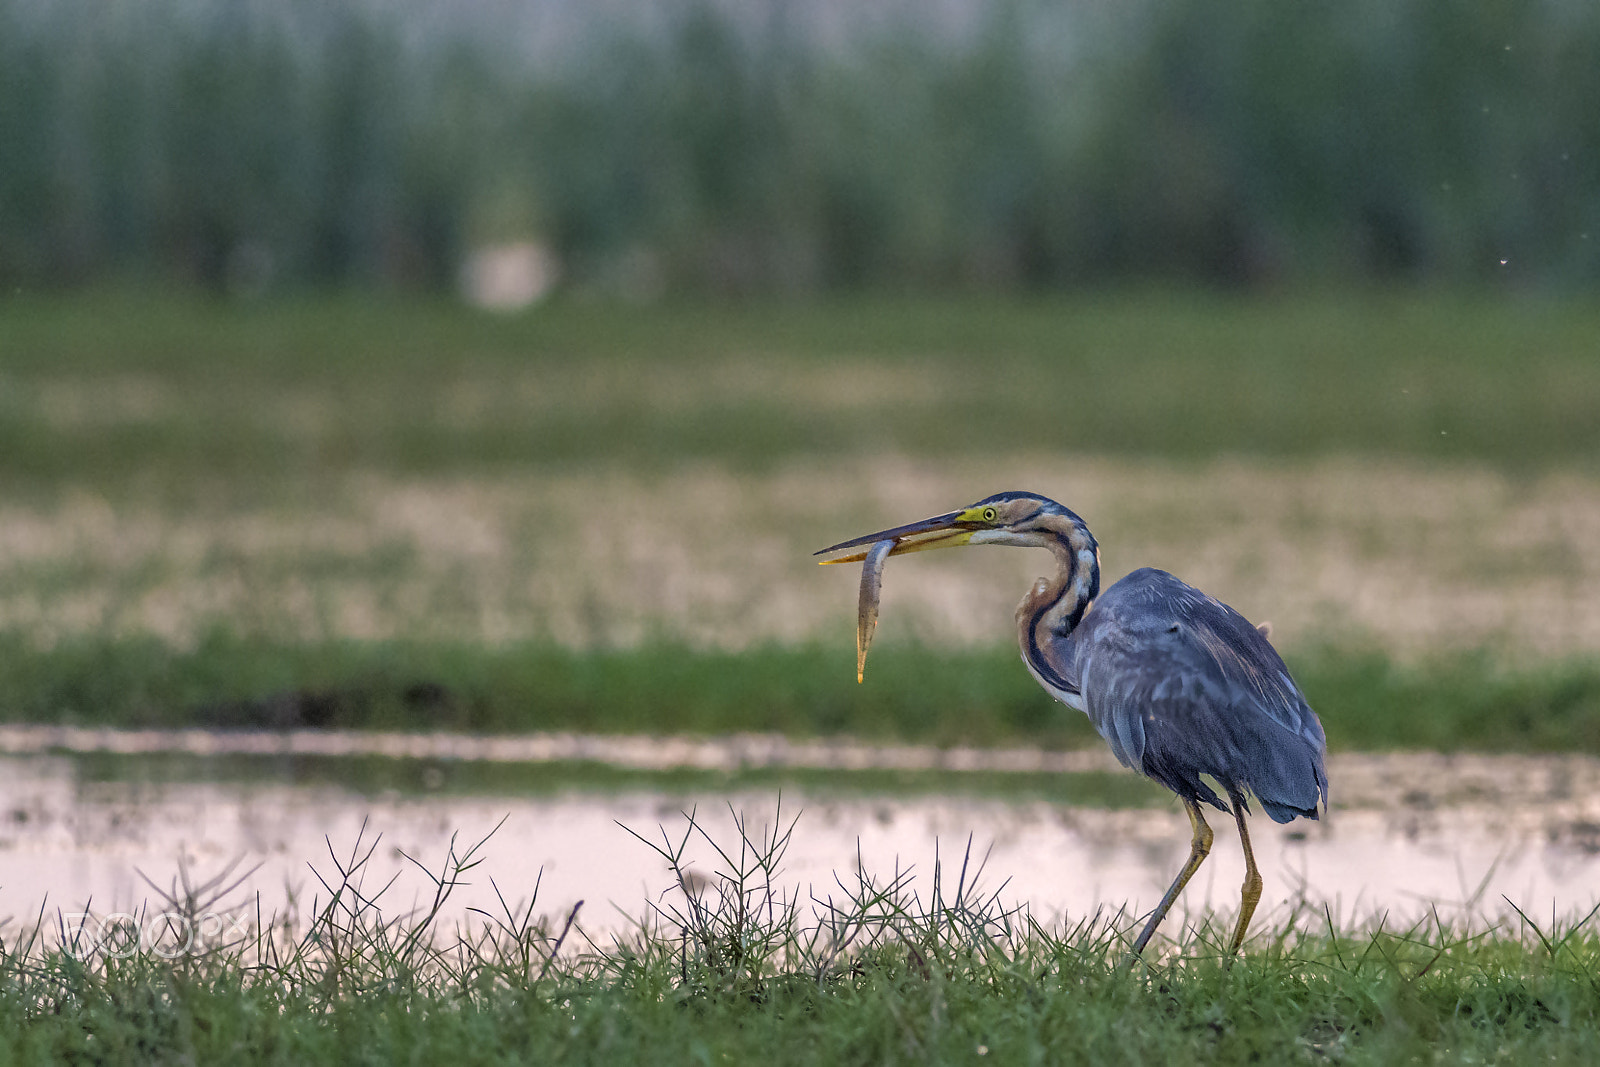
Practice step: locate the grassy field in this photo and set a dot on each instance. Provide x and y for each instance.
(367, 513)
(977, 696)
(343, 513)
(1394, 997)
(144, 394)
(730, 969)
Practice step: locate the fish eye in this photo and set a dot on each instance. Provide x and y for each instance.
(988, 514)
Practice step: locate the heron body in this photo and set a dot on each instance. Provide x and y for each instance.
(1181, 686)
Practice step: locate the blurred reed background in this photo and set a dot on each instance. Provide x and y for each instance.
(800, 146)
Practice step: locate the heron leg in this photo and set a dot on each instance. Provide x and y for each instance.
(1251, 893)
(1199, 849)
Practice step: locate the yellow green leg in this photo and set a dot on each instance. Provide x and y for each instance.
(1251, 894)
(1199, 848)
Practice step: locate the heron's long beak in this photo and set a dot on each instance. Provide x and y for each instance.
(941, 531)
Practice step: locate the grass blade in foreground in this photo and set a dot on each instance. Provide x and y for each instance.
(729, 967)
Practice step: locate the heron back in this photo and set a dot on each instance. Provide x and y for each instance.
(1182, 686)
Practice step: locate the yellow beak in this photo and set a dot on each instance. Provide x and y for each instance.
(941, 531)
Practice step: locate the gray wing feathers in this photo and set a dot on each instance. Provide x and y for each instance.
(1181, 685)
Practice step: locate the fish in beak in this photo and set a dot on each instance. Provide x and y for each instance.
(949, 530)
(941, 531)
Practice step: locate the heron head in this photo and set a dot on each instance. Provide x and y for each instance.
(1021, 519)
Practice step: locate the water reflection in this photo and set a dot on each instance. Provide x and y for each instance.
(1517, 827)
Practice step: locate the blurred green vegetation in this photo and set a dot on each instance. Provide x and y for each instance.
(940, 696)
(373, 775)
(173, 400)
(229, 682)
(247, 146)
(163, 396)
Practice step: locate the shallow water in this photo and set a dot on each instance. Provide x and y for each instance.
(1407, 833)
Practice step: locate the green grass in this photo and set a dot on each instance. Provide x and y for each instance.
(181, 409)
(1389, 998)
(737, 970)
(376, 775)
(984, 697)
(158, 395)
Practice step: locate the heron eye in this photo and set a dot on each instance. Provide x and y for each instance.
(988, 514)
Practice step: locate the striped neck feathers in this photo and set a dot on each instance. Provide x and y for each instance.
(1053, 607)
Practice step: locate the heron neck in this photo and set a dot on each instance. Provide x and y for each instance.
(1052, 609)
